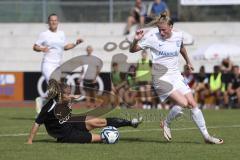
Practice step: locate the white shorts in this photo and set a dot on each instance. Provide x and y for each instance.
(166, 84)
(48, 69)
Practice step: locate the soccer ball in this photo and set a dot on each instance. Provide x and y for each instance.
(110, 135)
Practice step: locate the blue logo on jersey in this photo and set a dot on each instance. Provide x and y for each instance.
(167, 54)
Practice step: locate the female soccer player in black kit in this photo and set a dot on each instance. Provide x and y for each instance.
(56, 116)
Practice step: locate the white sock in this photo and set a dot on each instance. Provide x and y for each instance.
(40, 102)
(175, 112)
(198, 118)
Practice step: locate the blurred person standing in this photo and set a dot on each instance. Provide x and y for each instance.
(90, 76)
(137, 16)
(130, 94)
(144, 79)
(51, 43)
(118, 83)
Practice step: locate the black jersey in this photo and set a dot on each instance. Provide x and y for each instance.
(235, 80)
(54, 126)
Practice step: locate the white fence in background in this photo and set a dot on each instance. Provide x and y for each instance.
(17, 40)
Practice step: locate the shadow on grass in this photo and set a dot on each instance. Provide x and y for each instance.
(22, 118)
(132, 140)
(128, 140)
(45, 141)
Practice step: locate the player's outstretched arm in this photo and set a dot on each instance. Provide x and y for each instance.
(33, 133)
(72, 45)
(134, 47)
(38, 48)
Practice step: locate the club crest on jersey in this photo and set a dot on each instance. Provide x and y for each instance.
(160, 44)
(178, 43)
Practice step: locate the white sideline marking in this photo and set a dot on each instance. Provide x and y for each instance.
(20, 134)
(179, 129)
(132, 130)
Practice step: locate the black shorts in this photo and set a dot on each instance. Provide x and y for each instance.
(78, 134)
(89, 85)
(136, 17)
(78, 123)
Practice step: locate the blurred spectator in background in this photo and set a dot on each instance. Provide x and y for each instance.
(226, 66)
(217, 87)
(234, 88)
(201, 86)
(137, 16)
(226, 69)
(159, 7)
(118, 84)
(130, 94)
(144, 79)
(89, 80)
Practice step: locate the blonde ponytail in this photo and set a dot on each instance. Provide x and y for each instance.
(163, 18)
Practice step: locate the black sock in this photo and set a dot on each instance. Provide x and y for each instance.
(149, 103)
(118, 122)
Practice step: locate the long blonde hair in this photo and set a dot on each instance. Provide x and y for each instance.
(56, 90)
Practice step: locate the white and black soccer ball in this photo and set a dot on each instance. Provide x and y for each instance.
(110, 135)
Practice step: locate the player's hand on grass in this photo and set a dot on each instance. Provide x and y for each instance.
(29, 142)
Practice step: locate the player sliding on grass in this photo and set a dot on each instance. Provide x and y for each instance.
(56, 116)
(165, 45)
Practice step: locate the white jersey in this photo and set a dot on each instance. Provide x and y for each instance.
(55, 41)
(163, 51)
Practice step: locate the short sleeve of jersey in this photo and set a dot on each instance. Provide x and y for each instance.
(40, 40)
(43, 114)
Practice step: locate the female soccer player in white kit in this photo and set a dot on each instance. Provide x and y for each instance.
(52, 43)
(165, 44)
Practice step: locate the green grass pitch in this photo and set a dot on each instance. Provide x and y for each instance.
(145, 142)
